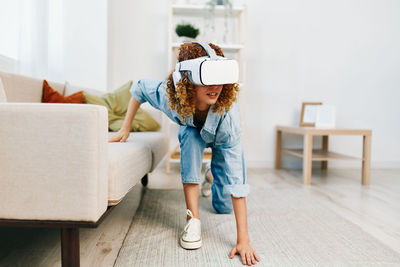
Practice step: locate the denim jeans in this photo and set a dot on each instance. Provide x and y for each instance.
(225, 178)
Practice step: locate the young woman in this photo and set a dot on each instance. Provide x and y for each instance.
(208, 117)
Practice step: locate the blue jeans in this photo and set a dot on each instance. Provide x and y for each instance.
(227, 167)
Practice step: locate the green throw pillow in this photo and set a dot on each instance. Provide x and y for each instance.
(117, 105)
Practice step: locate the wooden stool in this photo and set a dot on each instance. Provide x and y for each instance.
(309, 155)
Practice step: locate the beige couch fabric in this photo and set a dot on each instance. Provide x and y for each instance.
(127, 164)
(156, 141)
(72, 89)
(3, 97)
(25, 89)
(130, 161)
(53, 161)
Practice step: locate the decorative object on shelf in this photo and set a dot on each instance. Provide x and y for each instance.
(309, 113)
(317, 115)
(325, 117)
(210, 15)
(186, 32)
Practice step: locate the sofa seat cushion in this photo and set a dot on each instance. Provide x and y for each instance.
(157, 142)
(127, 164)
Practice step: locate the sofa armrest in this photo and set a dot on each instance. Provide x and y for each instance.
(53, 161)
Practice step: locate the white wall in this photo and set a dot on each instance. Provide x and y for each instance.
(343, 53)
(137, 40)
(85, 43)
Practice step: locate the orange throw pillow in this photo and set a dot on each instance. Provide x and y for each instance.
(52, 96)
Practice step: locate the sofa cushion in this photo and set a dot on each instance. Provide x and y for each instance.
(52, 96)
(157, 142)
(117, 103)
(20, 88)
(71, 89)
(127, 164)
(3, 97)
(154, 113)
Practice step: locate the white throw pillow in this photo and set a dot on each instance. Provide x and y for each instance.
(71, 89)
(3, 97)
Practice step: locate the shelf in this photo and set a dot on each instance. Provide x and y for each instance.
(225, 47)
(320, 155)
(203, 9)
(302, 130)
(177, 155)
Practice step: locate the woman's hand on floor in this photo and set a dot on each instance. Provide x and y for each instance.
(120, 136)
(247, 253)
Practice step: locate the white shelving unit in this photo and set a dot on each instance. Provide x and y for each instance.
(235, 48)
(225, 47)
(190, 9)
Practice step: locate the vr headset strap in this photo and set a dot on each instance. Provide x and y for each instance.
(210, 52)
(190, 64)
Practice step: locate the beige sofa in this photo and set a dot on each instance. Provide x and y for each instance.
(57, 168)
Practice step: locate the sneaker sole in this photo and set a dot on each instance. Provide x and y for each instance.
(190, 245)
(206, 193)
(206, 189)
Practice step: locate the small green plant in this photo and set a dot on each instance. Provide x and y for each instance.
(186, 29)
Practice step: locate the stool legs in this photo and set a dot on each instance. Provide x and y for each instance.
(366, 161)
(278, 149)
(325, 142)
(307, 158)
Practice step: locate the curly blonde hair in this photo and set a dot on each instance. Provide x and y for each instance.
(182, 98)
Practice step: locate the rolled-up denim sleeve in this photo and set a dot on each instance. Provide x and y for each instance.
(228, 164)
(155, 93)
(152, 91)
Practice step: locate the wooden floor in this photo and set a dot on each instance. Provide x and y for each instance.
(375, 208)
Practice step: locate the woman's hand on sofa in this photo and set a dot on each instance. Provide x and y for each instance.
(120, 136)
(124, 132)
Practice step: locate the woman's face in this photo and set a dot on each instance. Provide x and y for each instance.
(207, 95)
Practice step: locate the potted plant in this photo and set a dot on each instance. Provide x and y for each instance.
(186, 32)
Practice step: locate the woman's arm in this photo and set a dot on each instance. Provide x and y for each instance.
(247, 253)
(123, 133)
(230, 162)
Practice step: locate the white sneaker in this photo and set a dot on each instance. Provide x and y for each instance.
(191, 235)
(206, 185)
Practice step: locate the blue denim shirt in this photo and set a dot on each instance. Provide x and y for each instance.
(222, 132)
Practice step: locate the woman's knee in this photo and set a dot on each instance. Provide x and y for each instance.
(222, 207)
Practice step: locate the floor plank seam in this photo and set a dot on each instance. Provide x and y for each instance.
(143, 191)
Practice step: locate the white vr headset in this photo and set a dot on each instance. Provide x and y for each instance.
(208, 70)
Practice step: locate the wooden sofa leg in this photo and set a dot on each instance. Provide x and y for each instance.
(145, 180)
(70, 247)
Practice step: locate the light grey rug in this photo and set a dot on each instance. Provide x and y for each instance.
(287, 228)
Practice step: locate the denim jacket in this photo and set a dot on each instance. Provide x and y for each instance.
(218, 129)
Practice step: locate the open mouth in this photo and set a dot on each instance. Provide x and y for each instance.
(212, 94)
